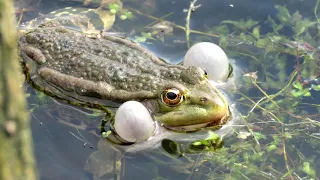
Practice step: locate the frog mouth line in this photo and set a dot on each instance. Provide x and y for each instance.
(213, 125)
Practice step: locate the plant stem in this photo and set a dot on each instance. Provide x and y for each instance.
(286, 159)
(316, 9)
(270, 97)
(187, 29)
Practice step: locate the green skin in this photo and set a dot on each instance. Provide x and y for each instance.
(81, 67)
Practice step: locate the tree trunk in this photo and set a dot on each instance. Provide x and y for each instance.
(16, 148)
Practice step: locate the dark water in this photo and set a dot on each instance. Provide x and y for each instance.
(67, 141)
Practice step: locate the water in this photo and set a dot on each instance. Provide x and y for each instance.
(286, 143)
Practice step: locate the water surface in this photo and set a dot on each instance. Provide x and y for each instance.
(286, 131)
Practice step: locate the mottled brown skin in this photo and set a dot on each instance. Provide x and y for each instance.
(117, 69)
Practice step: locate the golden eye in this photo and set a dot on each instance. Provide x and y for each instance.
(171, 96)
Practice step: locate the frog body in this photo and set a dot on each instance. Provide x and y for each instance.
(98, 69)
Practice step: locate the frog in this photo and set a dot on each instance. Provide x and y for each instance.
(101, 70)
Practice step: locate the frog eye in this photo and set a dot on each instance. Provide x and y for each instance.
(172, 96)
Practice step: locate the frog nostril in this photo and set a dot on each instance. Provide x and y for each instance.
(203, 99)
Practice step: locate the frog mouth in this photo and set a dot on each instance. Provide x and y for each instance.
(213, 125)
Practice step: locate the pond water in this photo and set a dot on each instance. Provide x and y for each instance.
(279, 105)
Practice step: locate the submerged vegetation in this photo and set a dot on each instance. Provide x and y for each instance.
(277, 94)
(282, 136)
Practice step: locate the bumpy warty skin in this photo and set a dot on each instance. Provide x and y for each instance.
(116, 61)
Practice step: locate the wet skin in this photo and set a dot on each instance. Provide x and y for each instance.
(61, 60)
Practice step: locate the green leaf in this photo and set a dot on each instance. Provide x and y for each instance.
(256, 32)
(223, 42)
(242, 25)
(274, 25)
(140, 39)
(246, 38)
(146, 35)
(271, 147)
(295, 104)
(222, 29)
(213, 136)
(297, 85)
(129, 15)
(296, 93)
(114, 6)
(205, 142)
(302, 26)
(307, 94)
(308, 169)
(283, 14)
(171, 147)
(250, 23)
(264, 42)
(259, 135)
(315, 87)
(287, 135)
(113, 11)
(299, 29)
(307, 23)
(243, 135)
(296, 18)
(106, 134)
(123, 17)
(197, 143)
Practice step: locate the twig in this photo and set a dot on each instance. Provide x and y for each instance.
(264, 93)
(250, 130)
(203, 33)
(77, 137)
(271, 97)
(297, 176)
(41, 124)
(187, 29)
(82, 136)
(20, 16)
(286, 159)
(83, 139)
(264, 174)
(160, 19)
(256, 104)
(259, 106)
(173, 24)
(310, 104)
(249, 55)
(293, 75)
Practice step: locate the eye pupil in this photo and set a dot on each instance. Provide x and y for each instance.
(171, 95)
(205, 72)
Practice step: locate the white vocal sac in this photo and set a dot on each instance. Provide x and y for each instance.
(211, 58)
(133, 122)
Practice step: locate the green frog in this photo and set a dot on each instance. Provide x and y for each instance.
(97, 69)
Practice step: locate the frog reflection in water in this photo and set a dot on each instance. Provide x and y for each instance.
(83, 68)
